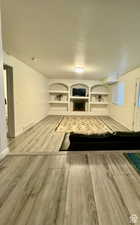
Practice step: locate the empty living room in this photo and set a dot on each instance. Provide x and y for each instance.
(69, 112)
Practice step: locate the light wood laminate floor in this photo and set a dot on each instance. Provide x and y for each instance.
(65, 188)
(44, 137)
(69, 189)
(41, 138)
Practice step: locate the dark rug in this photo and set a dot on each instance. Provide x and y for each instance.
(134, 159)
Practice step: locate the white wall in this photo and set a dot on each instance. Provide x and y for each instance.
(30, 94)
(125, 113)
(3, 138)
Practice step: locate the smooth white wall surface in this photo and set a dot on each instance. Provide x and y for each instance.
(3, 132)
(125, 113)
(30, 94)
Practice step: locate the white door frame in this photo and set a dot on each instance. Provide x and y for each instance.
(10, 100)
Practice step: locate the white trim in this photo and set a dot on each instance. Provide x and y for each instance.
(57, 102)
(29, 126)
(58, 91)
(4, 153)
(80, 113)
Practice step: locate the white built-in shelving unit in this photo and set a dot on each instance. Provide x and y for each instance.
(57, 102)
(99, 99)
(58, 92)
(99, 103)
(58, 98)
(61, 99)
(78, 97)
(99, 93)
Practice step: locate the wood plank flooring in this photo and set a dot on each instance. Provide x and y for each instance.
(112, 124)
(69, 189)
(44, 137)
(65, 188)
(41, 138)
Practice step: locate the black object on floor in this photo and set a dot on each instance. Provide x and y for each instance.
(106, 141)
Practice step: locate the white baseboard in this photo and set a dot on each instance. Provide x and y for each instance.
(30, 125)
(79, 113)
(4, 153)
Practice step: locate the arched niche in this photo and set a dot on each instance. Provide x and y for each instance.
(79, 85)
(99, 88)
(58, 87)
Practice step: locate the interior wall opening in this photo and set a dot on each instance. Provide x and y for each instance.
(9, 100)
(79, 106)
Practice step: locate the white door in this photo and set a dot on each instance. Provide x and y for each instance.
(137, 108)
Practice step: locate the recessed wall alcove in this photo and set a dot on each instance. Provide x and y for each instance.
(78, 98)
(58, 97)
(99, 99)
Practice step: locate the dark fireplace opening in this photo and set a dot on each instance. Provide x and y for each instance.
(79, 106)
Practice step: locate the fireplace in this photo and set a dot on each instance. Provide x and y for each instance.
(79, 105)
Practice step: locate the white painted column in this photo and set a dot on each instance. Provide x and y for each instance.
(3, 133)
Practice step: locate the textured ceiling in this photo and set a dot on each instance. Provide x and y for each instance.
(102, 36)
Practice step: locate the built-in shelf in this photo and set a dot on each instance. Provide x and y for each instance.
(61, 98)
(79, 97)
(99, 93)
(99, 103)
(57, 102)
(58, 92)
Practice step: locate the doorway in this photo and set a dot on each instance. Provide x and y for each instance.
(9, 100)
(136, 126)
